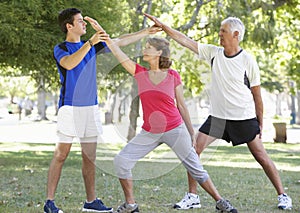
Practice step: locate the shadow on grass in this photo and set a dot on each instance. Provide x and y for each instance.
(285, 154)
(24, 176)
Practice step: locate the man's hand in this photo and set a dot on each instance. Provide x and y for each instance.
(96, 26)
(157, 23)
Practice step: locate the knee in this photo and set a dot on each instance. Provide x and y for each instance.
(262, 158)
(198, 150)
(120, 162)
(60, 156)
(117, 161)
(200, 177)
(122, 167)
(88, 157)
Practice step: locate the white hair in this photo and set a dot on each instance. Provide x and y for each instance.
(235, 24)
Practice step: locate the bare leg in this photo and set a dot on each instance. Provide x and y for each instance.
(258, 151)
(209, 187)
(88, 152)
(203, 141)
(60, 154)
(127, 186)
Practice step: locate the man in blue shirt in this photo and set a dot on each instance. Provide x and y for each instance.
(78, 115)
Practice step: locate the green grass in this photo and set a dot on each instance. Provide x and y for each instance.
(160, 180)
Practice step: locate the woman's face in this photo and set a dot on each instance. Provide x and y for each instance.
(150, 53)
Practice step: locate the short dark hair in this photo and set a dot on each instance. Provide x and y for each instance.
(66, 16)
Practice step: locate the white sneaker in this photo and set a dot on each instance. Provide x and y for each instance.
(190, 201)
(285, 202)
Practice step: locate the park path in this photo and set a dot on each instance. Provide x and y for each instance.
(28, 130)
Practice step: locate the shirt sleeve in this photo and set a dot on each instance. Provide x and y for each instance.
(139, 68)
(101, 47)
(207, 51)
(253, 72)
(59, 53)
(177, 78)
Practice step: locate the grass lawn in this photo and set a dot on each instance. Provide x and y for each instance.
(160, 180)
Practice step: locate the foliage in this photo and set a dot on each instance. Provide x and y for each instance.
(10, 87)
(29, 32)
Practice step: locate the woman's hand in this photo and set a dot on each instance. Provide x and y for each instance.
(193, 137)
(96, 26)
(99, 36)
(154, 29)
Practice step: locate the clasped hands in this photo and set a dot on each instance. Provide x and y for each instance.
(100, 34)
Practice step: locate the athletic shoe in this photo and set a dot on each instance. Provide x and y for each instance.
(285, 202)
(128, 208)
(50, 207)
(96, 206)
(190, 201)
(224, 206)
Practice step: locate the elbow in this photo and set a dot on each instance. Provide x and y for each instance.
(67, 63)
(181, 109)
(67, 67)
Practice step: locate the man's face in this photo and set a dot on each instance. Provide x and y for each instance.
(79, 25)
(226, 36)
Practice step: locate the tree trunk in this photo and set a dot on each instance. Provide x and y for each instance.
(41, 105)
(293, 110)
(122, 107)
(134, 112)
(298, 111)
(278, 104)
(134, 109)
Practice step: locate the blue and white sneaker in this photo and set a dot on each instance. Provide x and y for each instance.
(50, 207)
(96, 206)
(285, 202)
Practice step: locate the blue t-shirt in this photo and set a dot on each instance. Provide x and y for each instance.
(78, 86)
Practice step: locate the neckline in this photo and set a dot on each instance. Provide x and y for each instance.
(232, 55)
(160, 82)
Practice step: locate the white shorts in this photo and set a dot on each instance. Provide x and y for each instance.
(78, 122)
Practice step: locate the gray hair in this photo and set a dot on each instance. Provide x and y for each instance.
(235, 24)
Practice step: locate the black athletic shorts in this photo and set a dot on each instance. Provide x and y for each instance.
(236, 131)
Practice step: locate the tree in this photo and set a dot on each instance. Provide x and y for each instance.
(29, 32)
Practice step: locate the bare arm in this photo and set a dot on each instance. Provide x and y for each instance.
(126, 62)
(113, 45)
(133, 37)
(127, 38)
(71, 61)
(184, 112)
(258, 105)
(176, 35)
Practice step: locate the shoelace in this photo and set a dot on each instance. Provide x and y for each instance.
(99, 201)
(226, 204)
(283, 198)
(122, 207)
(52, 206)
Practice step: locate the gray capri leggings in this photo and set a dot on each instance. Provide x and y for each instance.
(178, 139)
